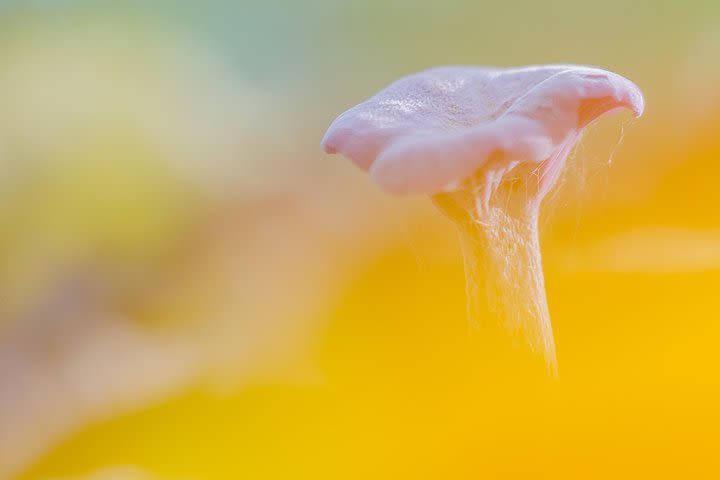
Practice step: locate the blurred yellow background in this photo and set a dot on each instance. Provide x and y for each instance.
(190, 289)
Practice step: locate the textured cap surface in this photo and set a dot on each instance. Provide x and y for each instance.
(427, 132)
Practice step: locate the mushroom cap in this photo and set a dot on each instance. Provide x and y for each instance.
(427, 132)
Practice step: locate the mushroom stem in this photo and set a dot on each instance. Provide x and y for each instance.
(506, 288)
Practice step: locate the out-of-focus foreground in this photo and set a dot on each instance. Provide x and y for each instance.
(190, 289)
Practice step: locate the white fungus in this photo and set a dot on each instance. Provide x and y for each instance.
(487, 144)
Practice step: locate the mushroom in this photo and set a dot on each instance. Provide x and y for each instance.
(486, 144)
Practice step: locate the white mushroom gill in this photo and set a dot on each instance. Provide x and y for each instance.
(487, 145)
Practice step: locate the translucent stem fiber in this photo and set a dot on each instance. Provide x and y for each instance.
(505, 287)
(496, 213)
